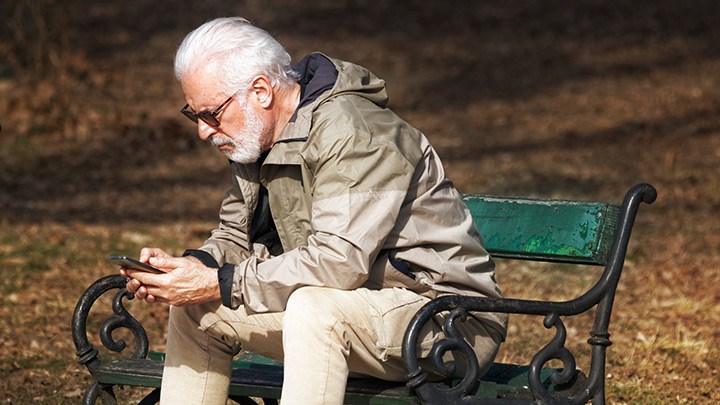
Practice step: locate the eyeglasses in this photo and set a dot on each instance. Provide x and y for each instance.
(209, 117)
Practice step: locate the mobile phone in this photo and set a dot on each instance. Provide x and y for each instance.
(131, 263)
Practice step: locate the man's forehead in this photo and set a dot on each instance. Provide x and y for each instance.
(202, 88)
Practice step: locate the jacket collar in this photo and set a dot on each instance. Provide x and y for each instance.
(322, 78)
(318, 77)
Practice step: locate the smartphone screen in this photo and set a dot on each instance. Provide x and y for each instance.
(131, 263)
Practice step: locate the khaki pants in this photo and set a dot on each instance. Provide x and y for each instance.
(324, 336)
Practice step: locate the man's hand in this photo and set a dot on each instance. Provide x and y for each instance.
(186, 281)
(133, 285)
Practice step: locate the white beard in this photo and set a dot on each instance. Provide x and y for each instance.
(247, 143)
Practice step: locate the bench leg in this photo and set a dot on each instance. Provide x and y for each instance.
(152, 398)
(248, 401)
(599, 398)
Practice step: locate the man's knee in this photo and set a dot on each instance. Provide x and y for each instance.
(191, 316)
(195, 323)
(308, 296)
(190, 311)
(311, 307)
(306, 299)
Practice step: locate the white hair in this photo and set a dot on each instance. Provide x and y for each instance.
(240, 50)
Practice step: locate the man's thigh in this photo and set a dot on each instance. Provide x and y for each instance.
(375, 323)
(370, 323)
(378, 315)
(374, 320)
(257, 333)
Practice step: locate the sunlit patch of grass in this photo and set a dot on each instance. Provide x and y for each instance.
(22, 260)
(690, 305)
(20, 253)
(683, 342)
(633, 391)
(38, 248)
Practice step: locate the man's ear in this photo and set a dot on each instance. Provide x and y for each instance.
(262, 91)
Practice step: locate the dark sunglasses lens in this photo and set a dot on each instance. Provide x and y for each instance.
(209, 118)
(191, 115)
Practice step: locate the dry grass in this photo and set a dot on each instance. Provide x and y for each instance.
(577, 101)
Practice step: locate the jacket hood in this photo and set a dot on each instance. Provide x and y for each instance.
(319, 73)
(323, 78)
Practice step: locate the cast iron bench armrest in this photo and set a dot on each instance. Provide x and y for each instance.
(601, 295)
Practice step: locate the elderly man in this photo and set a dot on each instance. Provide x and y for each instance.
(338, 226)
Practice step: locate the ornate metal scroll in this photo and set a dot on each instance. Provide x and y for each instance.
(554, 350)
(87, 354)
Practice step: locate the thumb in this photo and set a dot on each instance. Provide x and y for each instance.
(166, 262)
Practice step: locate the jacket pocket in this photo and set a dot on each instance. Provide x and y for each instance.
(392, 309)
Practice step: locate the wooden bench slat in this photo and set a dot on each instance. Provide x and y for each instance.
(544, 229)
(250, 379)
(258, 376)
(133, 372)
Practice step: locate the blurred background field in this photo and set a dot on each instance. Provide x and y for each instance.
(537, 98)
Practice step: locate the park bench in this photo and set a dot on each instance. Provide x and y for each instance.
(555, 231)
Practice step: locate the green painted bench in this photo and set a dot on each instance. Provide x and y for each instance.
(557, 231)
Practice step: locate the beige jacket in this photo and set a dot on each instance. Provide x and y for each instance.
(359, 199)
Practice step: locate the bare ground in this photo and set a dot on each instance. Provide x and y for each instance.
(538, 98)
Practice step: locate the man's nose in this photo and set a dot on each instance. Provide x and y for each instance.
(204, 130)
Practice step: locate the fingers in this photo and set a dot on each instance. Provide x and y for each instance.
(138, 281)
(167, 263)
(147, 253)
(140, 277)
(133, 285)
(152, 298)
(142, 293)
(136, 288)
(150, 294)
(163, 288)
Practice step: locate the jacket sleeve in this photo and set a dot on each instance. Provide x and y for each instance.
(359, 185)
(228, 243)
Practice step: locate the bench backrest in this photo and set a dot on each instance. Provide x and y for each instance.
(547, 230)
